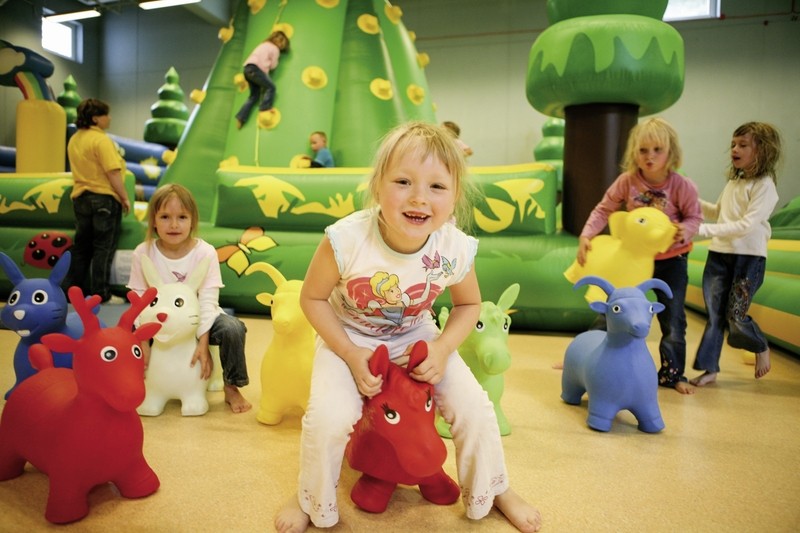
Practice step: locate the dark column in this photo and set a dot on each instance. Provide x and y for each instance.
(594, 143)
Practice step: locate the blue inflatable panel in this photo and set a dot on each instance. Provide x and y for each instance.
(138, 151)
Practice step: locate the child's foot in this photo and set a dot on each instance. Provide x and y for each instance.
(291, 518)
(559, 365)
(685, 388)
(706, 378)
(520, 513)
(234, 398)
(762, 364)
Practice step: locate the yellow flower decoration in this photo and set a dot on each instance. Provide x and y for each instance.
(225, 34)
(393, 13)
(269, 119)
(423, 59)
(232, 161)
(415, 93)
(314, 77)
(285, 27)
(368, 24)
(328, 3)
(197, 96)
(300, 161)
(169, 156)
(255, 5)
(240, 82)
(381, 88)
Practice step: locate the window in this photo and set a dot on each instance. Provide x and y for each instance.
(692, 9)
(64, 39)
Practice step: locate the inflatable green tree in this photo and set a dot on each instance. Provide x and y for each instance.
(599, 65)
(69, 99)
(169, 113)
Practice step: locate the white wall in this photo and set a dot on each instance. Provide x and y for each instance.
(745, 67)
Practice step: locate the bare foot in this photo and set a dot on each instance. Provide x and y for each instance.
(520, 513)
(291, 518)
(706, 378)
(234, 398)
(762, 364)
(685, 388)
(559, 365)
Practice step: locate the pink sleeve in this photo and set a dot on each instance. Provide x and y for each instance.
(613, 199)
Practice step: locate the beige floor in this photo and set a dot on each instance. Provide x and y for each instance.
(728, 460)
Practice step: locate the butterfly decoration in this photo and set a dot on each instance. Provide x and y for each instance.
(431, 264)
(237, 256)
(448, 267)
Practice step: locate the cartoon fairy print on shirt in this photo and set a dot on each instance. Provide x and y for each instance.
(385, 306)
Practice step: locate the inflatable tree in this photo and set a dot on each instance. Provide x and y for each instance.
(169, 113)
(600, 65)
(550, 149)
(69, 99)
(352, 71)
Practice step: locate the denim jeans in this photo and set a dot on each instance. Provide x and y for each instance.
(729, 283)
(98, 224)
(672, 320)
(228, 332)
(259, 81)
(672, 348)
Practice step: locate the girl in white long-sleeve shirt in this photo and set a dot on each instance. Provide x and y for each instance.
(738, 251)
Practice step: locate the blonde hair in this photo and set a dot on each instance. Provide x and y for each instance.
(425, 140)
(767, 144)
(658, 131)
(160, 198)
(381, 282)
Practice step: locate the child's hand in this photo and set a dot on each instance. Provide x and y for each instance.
(358, 362)
(431, 370)
(680, 233)
(202, 355)
(584, 246)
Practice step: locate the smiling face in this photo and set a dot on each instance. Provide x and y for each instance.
(173, 225)
(743, 151)
(416, 198)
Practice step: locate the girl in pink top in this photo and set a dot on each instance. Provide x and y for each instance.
(649, 180)
(261, 61)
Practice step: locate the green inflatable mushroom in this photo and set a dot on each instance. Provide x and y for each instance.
(600, 65)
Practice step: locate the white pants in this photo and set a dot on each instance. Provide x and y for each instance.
(335, 406)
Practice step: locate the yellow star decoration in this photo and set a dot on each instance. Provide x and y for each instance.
(150, 167)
